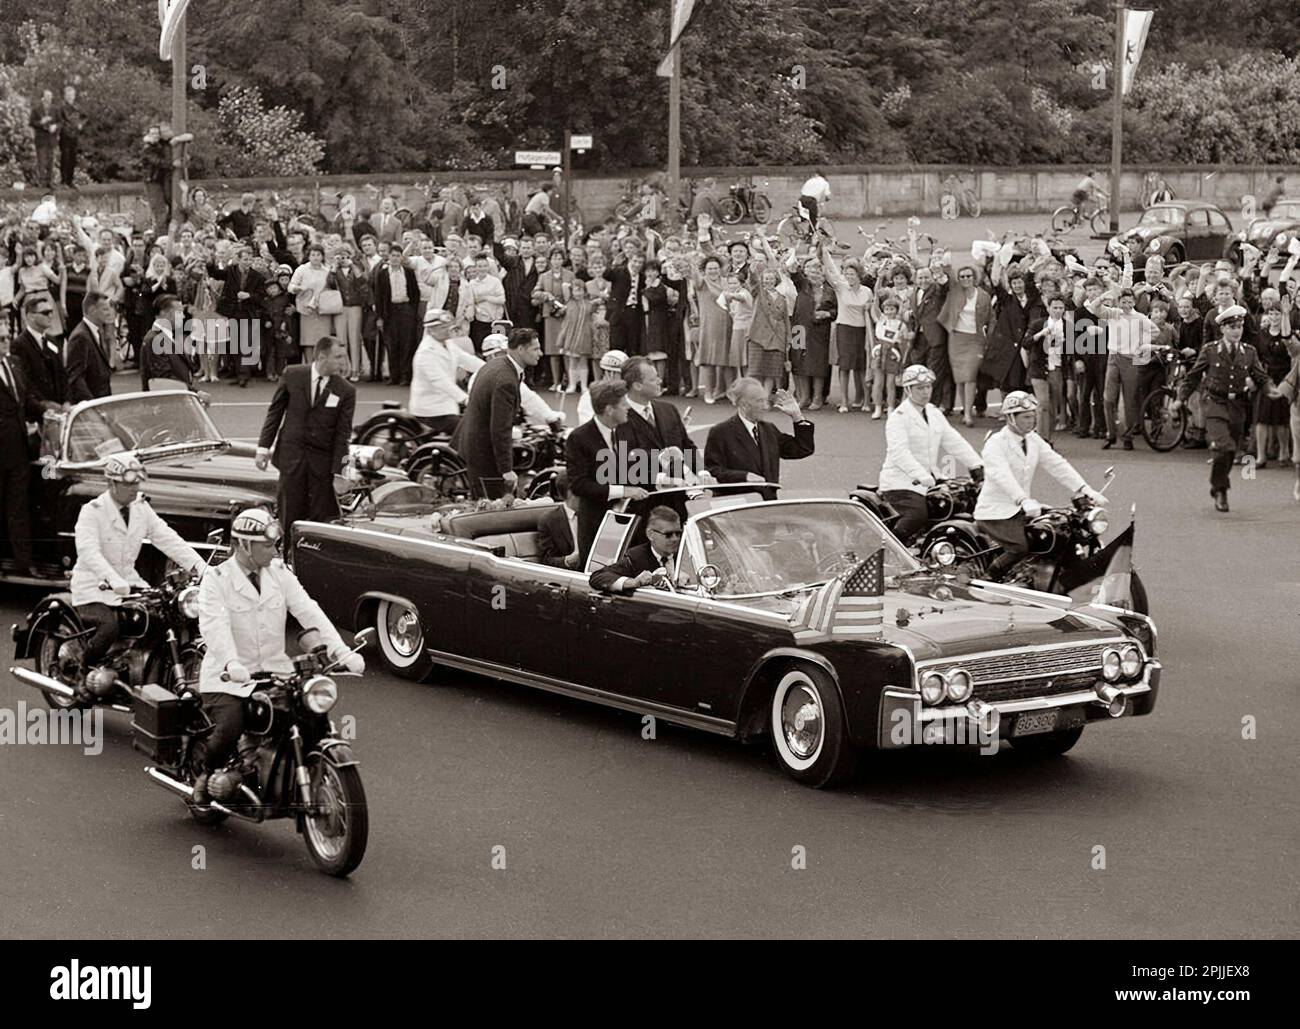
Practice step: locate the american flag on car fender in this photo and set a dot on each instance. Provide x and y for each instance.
(847, 607)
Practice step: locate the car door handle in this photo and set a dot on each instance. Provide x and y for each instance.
(554, 587)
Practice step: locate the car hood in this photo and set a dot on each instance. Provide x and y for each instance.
(215, 478)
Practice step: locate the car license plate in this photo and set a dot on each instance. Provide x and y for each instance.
(1035, 721)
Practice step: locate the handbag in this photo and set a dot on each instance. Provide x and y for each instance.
(330, 301)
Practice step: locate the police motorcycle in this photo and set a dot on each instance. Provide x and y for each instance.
(950, 507)
(290, 762)
(158, 641)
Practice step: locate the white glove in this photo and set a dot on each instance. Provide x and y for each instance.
(236, 672)
(1031, 507)
(354, 663)
(121, 587)
(926, 480)
(556, 418)
(1097, 498)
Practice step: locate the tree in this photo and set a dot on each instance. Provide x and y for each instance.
(257, 141)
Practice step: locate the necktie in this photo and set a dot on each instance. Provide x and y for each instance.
(650, 415)
(253, 580)
(631, 293)
(6, 377)
(754, 431)
(320, 391)
(1024, 446)
(125, 511)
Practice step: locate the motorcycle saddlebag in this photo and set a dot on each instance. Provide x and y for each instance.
(158, 723)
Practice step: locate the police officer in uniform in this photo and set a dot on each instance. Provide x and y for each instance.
(110, 531)
(1230, 370)
(243, 604)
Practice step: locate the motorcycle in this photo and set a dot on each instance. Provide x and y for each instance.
(290, 762)
(396, 431)
(538, 460)
(158, 642)
(1066, 553)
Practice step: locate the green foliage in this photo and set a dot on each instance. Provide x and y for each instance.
(255, 140)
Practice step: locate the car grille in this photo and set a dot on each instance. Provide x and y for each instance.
(1016, 674)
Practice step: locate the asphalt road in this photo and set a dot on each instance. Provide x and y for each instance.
(607, 834)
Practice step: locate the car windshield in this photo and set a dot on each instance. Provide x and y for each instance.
(1162, 216)
(791, 545)
(137, 423)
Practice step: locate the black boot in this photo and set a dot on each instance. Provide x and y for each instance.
(1221, 500)
(201, 790)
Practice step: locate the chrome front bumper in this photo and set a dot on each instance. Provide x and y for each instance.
(899, 705)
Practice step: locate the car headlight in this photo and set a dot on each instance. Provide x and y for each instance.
(320, 694)
(1097, 521)
(1111, 666)
(933, 688)
(188, 601)
(959, 685)
(1130, 662)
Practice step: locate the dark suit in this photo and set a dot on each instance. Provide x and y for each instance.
(635, 561)
(41, 368)
(519, 285)
(668, 431)
(400, 330)
(483, 437)
(311, 443)
(238, 221)
(18, 406)
(932, 341)
(554, 538)
(589, 464)
(164, 361)
(626, 324)
(244, 313)
(88, 371)
(730, 452)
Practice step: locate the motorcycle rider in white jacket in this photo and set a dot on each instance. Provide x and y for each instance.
(916, 433)
(1011, 456)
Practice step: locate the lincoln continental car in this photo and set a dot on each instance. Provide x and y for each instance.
(725, 646)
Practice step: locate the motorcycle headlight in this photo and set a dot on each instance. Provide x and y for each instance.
(320, 694)
(933, 688)
(368, 459)
(959, 685)
(187, 601)
(944, 553)
(1097, 521)
(1111, 665)
(1130, 662)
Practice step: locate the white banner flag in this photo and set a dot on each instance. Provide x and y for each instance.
(683, 11)
(171, 20)
(1136, 24)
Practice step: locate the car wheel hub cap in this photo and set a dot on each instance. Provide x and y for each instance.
(801, 719)
(404, 631)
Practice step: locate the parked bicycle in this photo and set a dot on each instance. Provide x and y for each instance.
(962, 195)
(743, 201)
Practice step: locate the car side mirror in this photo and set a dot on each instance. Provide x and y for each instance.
(710, 578)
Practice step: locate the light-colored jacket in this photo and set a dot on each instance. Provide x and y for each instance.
(240, 624)
(434, 391)
(107, 548)
(1009, 473)
(913, 445)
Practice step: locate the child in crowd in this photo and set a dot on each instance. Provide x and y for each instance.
(887, 354)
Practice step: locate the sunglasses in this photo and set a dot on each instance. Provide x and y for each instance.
(670, 534)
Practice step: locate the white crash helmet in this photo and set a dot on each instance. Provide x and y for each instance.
(1018, 401)
(125, 468)
(613, 360)
(916, 375)
(257, 524)
(494, 343)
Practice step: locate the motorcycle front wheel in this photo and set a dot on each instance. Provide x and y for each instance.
(336, 835)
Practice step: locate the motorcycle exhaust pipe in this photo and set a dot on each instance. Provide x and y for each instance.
(187, 793)
(44, 682)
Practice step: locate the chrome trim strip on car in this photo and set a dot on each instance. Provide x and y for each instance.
(707, 723)
(1028, 595)
(1155, 635)
(1033, 649)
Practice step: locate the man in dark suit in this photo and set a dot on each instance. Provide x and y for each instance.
(385, 225)
(626, 322)
(44, 121)
(38, 358)
(18, 406)
(310, 423)
(397, 301)
(240, 221)
(484, 436)
(88, 371)
(655, 426)
(240, 300)
(931, 337)
(747, 447)
(591, 457)
(557, 532)
(650, 562)
(166, 352)
(519, 281)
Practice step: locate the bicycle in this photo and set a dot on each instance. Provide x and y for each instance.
(743, 200)
(1163, 427)
(964, 196)
(1071, 216)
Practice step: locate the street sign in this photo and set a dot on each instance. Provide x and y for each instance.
(171, 20)
(580, 142)
(543, 157)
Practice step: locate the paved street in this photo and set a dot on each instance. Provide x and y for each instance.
(608, 834)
